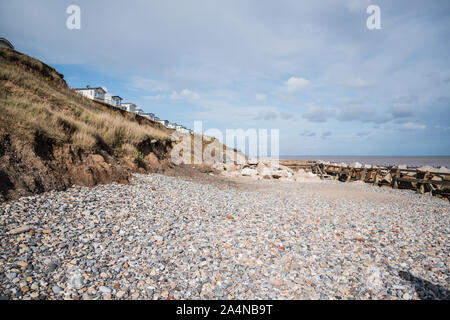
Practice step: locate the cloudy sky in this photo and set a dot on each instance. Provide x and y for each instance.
(309, 68)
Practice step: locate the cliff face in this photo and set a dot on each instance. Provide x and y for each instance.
(52, 138)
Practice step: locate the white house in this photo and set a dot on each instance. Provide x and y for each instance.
(97, 93)
(150, 116)
(156, 119)
(113, 100)
(139, 112)
(164, 122)
(117, 101)
(128, 106)
(108, 98)
(182, 129)
(172, 125)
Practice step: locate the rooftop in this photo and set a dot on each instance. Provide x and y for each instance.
(91, 88)
(9, 44)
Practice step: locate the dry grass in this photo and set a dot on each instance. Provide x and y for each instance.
(129, 149)
(33, 97)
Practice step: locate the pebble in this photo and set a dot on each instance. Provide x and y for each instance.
(19, 230)
(57, 289)
(167, 238)
(104, 290)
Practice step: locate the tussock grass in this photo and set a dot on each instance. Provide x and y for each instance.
(34, 97)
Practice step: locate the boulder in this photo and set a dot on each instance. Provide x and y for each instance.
(427, 168)
(252, 162)
(356, 165)
(282, 174)
(266, 173)
(249, 172)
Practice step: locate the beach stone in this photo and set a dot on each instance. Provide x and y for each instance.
(164, 237)
(19, 230)
(104, 290)
(57, 289)
(249, 172)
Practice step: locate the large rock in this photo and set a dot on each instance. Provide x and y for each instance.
(267, 173)
(427, 168)
(282, 174)
(249, 172)
(356, 165)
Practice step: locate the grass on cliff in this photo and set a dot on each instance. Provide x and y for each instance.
(35, 98)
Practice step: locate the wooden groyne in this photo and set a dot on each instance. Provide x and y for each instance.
(428, 180)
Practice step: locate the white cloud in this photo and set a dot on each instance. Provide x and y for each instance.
(185, 94)
(297, 84)
(412, 126)
(260, 96)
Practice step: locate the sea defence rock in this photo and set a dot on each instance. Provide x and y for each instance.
(433, 169)
(427, 168)
(249, 172)
(356, 165)
(268, 169)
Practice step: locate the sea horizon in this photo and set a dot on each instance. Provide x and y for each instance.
(385, 160)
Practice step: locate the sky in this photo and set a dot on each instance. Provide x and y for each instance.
(311, 69)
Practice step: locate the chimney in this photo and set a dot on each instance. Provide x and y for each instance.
(88, 86)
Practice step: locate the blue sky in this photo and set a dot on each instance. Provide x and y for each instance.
(311, 69)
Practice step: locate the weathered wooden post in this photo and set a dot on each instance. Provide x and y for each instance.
(363, 175)
(376, 178)
(395, 180)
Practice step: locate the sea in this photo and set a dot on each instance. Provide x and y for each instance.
(410, 161)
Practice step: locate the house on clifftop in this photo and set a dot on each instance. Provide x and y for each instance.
(4, 43)
(128, 106)
(117, 101)
(97, 93)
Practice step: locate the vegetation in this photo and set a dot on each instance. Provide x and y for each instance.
(35, 98)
